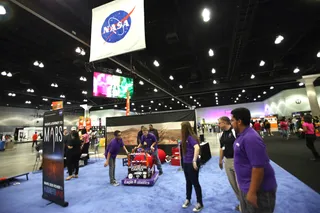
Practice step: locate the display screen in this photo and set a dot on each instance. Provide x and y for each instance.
(111, 86)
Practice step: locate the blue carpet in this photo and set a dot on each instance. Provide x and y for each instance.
(91, 192)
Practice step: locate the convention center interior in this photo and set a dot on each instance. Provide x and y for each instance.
(160, 106)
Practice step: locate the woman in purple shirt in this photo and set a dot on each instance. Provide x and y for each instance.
(190, 150)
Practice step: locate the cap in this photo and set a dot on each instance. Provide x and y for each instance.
(73, 128)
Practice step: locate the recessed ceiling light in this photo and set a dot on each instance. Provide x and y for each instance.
(78, 50)
(296, 70)
(279, 39)
(235, 101)
(216, 94)
(182, 104)
(254, 99)
(213, 70)
(156, 63)
(115, 105)
(205, 14)
(62, 96)
(178, 102)
(195, 100)
(9, 74)
(3, 10)
(45, 99)
(134, 109)
(214, 82)
(41, 65)
(243, 91)
(170, 107)
(252, 76)
(237, 98)
(262, 63)
(216, 98)
(36, 63)
(318, 54)
(301, 84)
(118, 71)
(259, 96)
(239, 95)
(142, 110)
(165, 106)
(141, 82)
(211, 53)
(199, 105)
(149, 107)
(171, 78)
(272, 87)
(155, 90)
(4, 73)
(264, 92)
(142, 106)
(68, 102)
(83, 52)
(159, 104)
(151, 101)
(85, 100)
(156, 109)
(172, 99)
(190, 97)
(101, 107)
(132, 104)
(181, 87)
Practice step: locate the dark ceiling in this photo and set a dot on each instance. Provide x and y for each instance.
(241, 33)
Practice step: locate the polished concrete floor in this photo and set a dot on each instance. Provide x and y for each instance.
(21, 159)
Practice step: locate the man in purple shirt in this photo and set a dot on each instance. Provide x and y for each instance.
(150, 143)
(111, 153)
(255, 176)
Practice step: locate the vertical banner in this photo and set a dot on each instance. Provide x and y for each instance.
(53, 158)
(81, 122)
(117, 27)
(128, 104)
(88, 124)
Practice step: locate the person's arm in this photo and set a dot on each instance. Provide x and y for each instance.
(221, 158)
(125, 149)
(256, 180)
(196, 156)
(155, 141)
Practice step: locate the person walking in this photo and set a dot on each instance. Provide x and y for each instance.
(111, 153)
(255, 175)
(310, 135)
(226, 154)
(73, 155)
(191, 149)
(267, 126)
(34, 139)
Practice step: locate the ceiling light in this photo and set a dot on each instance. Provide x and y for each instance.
(78, 50)
(205, 15)
(170, 107)
(301, 84)
(243, 91)
(237, 99)
(165, 106)
(62, 96)
(28, 102)
(3, 10)
(296, 70)
(142, 110)
(36, 63)
(171, 77)
(213, 70)
(211, 53)
(85, 100)
(84, 92)
(156, 63)
(262, 63)
(190, 97)
(52, 84)
(101, 107)
(68, 102)
(83, 52)
(118, 71)
(141, 83)
(199, 105)
(318, 54)
(28, 90)
(216, 98)
(142, 106)
(155, 90)
(156, 109)
(149, 107)
(134, 109)
(259, 96)
(41, 65)
(214, 82)
(178, 102)
(172, 99)
(132, 104)
(181, 87)
(239, 95)
(216, 94)
(116, 105)
(56, 85)
(45, 99)
(10, 94)
(159, 104)
(151, 101)
(264, 92)
(4, 73)
(252, 76)
(182, 104)
(279, 39)
(272, 87)
(195, 100)
(254, 99)
(9, 74)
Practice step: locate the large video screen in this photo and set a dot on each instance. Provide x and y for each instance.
(111, 86)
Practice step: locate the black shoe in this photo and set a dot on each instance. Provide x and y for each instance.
(237, 208)
(198, 207)
(161, 173)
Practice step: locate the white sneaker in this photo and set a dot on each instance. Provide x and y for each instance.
(115, 183)
(198, 207)
(186, 204)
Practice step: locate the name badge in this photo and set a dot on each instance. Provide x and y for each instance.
(223, 148)
(237, 144)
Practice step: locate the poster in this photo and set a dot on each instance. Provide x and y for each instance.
(53, 157)
(169, 133)
(57, 105)
(117, 27)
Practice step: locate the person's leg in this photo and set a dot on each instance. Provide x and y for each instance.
(194, 177)
(186, 170)
(114, 170)
(310, 144)
(111, 170)
(266, 203)
(76, 164)
(229, 167)
(69, 166)
(158, 162)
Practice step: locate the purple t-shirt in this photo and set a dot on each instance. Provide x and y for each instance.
(114, 147)
(188, 157)
(250, 152)
(148, 140)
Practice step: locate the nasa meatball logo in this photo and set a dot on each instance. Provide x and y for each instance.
(298, 101)
(116, 26)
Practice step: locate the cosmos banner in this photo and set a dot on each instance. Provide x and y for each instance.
(117, 27)
(53, 157)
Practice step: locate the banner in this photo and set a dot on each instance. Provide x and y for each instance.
(53, 158)
(57, 105)
(117, 27)
(81, 123)
(88, 124)
(128, 104)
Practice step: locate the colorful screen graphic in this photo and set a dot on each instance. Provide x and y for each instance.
(111, 86)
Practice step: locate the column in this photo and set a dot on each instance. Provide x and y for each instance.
(311, 92)
(86, 108)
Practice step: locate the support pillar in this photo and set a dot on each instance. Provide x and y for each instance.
(311, 93)
(86, 108)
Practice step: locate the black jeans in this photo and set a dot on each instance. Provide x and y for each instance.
(73, 163)
(34, 142)
(192, 178)
(310, 144)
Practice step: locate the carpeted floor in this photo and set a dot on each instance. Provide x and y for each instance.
(92, 193)
(294, 157)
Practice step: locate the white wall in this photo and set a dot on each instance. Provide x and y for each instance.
(103, 114)
(212, 114)
(284, 103)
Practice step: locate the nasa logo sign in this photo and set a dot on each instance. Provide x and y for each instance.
(116, 26)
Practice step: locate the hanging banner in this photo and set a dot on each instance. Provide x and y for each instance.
(53, 158)
(128, 104)
(81, 122)
(57, 105)
(88, 124)
(117, 27)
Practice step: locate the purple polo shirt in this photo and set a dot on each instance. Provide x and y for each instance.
(114, 147)
(250, 152)
(148, 140)
(188, 157)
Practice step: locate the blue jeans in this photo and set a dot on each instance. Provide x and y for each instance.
(157, 160)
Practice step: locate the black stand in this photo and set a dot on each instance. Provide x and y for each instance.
(63, 203)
